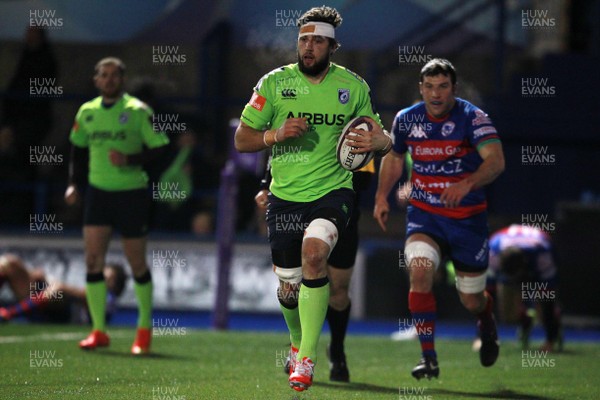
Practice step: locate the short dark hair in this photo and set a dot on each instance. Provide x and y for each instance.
(120, 278)
(110, 61)
(513, 262)
(322, 14)
(438, 66)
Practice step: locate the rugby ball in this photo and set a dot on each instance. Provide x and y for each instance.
(347, 160)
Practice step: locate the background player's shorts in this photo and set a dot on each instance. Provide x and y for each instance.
(465, 240)
(127, 211)
(287, 220)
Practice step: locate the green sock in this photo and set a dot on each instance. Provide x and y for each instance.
(312, 305)
(292, 320)
(95, 294)
(143, 293)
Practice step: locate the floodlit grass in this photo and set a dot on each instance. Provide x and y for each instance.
(44, 362)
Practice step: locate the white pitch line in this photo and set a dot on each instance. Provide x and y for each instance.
(60, 336)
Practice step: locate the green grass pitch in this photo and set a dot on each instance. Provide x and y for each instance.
(44, 362)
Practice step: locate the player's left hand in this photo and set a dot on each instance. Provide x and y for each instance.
(367, 141)
(453, 194)
(117, 158)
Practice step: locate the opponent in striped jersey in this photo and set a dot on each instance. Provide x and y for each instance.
(455, 151)
(444, 151)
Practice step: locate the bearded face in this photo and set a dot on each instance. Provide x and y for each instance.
(314, 54)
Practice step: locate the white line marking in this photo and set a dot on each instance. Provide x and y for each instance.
(60, 336)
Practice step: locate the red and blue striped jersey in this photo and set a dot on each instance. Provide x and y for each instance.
(444, 151)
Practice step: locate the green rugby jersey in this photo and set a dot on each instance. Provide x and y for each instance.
(306, 168)
(125, 127)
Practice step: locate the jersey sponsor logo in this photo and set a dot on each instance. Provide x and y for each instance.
(438, 185)
(481, 118)
(486, 130)
(320, 119)
(257, 101)
(435, 151)
(288, 94)
(123, 118)
(343, 95)
(108, 135)
(450, 167)
(448, 128)
(417, 132)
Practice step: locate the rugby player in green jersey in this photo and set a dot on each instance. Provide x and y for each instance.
(299, 111)
(116, 129)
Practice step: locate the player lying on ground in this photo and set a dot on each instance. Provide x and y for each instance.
(43, 299)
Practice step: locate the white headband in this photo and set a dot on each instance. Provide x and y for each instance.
(317, 28)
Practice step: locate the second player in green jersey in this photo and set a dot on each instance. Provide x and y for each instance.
(125, 126)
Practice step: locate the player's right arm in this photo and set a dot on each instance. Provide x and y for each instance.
(390, 172)
(256, 131)
(249, 139)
